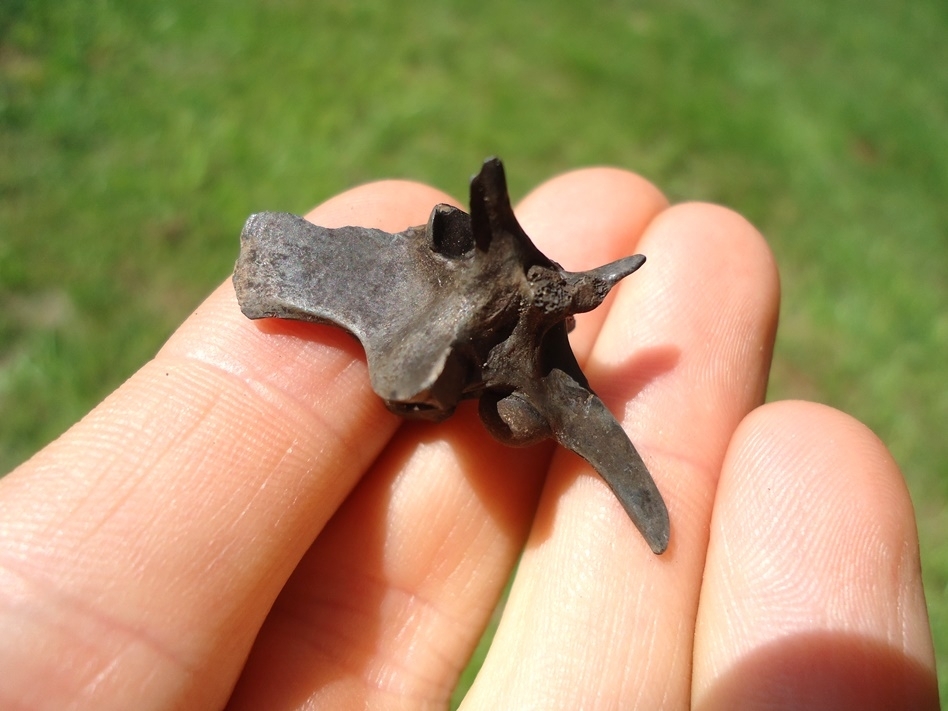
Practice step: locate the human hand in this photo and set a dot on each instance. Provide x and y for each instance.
(246, 493)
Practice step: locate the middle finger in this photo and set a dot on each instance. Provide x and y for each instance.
(594, 619)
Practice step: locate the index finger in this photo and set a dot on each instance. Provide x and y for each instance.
(682, 356)
(140, 552)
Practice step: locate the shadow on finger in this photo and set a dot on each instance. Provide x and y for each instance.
(825, 670)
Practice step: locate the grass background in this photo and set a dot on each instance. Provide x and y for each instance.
(135, 138)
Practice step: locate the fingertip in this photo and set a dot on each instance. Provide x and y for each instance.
(695, 327)
(716, 238)
(813, 553)
(603, 184)
(572, 213)
(827, 460)
(390, 205)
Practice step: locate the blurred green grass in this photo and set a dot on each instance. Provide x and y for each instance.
(136, 137)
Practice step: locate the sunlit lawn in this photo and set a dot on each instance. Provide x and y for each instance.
(136, 137)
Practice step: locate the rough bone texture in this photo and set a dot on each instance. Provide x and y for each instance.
(463, 307)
